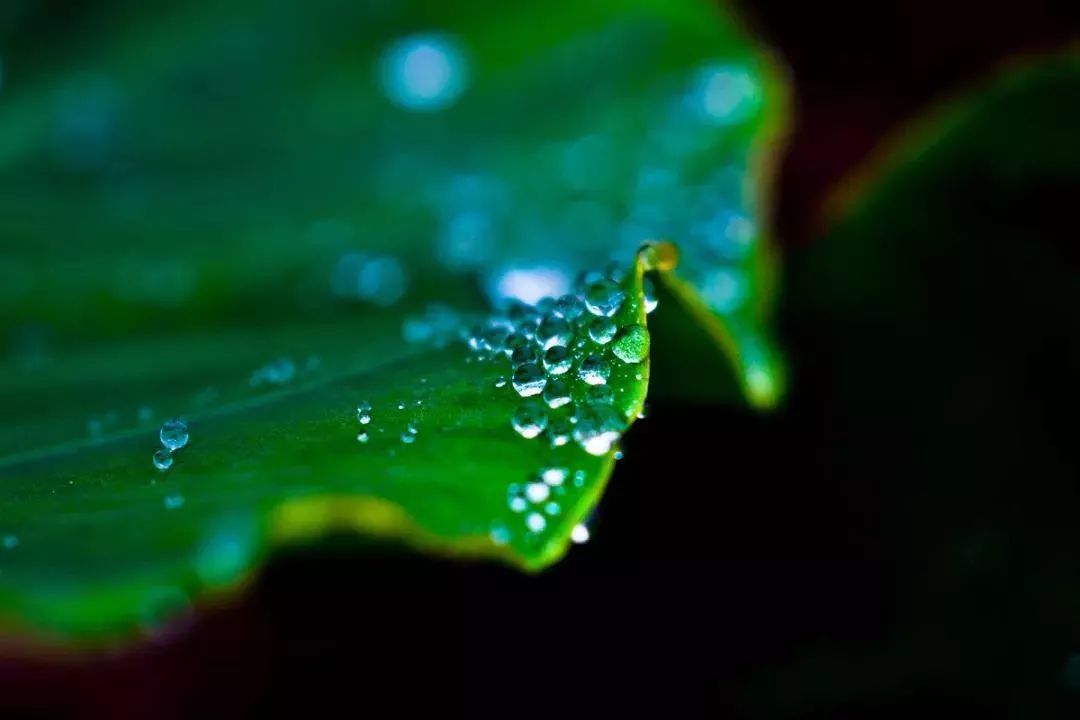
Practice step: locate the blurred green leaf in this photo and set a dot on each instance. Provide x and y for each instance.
(935, 328)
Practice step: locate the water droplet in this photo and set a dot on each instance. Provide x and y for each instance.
(411, 427)
(408, 438)
(557, 360)
(601, 394)
(648, 290)
(535, 522)
(362, 437)
(594, 370)
(10, 541)
(552, 508)
(363, 412)
(618, 455)
(174, 501)
(529, 379)
(524, 355)
(598, 428)
(554, 476)
(401, 405)
(580, 534)
(556, 393)
(500, 381)
(145, 414)
(559, 431)
(530, 419)
(604, 298)
(631, 345)
(601, 330)
(174, 434)
(537, 492)
(515, 498)
(579, 478)
(500, 535)
(569, 307)
(554, 331)
(163, 459)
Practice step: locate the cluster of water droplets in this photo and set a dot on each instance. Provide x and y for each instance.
(174, 436)
(409, 432)
(562, 356)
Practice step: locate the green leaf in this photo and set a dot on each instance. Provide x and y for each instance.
(230, 213)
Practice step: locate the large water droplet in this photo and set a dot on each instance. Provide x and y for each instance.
(559, 430)
(600, 394)
(524, 355)
(604, 298)
(174, 434)
(631, 345)
(530, 419)
(556, 393)
(598, 428)
(529, 379)
(602, 330)
(594, 370)
(554, 331)
(163, 459)
(557, 360)
(569, 307)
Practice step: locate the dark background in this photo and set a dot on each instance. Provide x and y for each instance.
(741, 565)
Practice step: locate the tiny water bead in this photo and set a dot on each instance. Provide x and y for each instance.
(594, 370)
(535, 522)
(631, 345)
(552, 508)
(529, 380)
(579, 478)
(580, 534)
(530, 419)
(362, 437)
(557, 360)
(163, 459)
(174, 434)
(516, 499)
(411, 427)
(537, 492)
(363, 412)
(408, 438)
(602, 330)
(174, 501)
(556, 393)
(554, 476)
(500, 535)
(401, 405)
(500, 381)
(604, 298)
(648, 290)
(10, 541)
